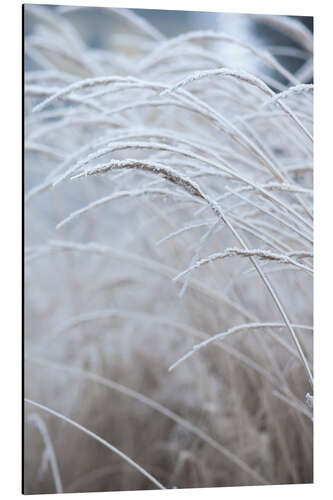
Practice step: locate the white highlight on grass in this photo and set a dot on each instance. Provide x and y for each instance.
(221, 336)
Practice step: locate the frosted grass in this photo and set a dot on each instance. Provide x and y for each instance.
(127, 145)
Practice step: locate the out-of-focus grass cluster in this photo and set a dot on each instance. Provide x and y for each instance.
(168, 273)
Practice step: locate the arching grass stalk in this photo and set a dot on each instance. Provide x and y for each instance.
(99, 439)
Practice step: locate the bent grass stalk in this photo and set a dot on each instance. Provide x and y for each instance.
(36, 420)
(223, 335)
(105, 443)
(193, 189)
(111, 384)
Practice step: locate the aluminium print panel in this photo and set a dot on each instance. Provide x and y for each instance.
(168, 245)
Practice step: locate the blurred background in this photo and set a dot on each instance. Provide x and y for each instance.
(93, 22)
